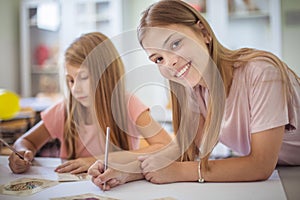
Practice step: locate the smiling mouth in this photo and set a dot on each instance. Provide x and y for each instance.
(183, 70)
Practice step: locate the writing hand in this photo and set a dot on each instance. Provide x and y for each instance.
(19, 165)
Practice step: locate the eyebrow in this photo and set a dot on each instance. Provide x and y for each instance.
(78, 74)
(168, 38)
(164, 44)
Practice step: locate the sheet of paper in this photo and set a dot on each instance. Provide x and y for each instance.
(66, 177)
(91, 196)
(26, 186)
(88, 196)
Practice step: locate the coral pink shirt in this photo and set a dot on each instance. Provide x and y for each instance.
(91, 144)
(255, 103)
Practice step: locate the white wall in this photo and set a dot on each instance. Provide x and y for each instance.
(143, 77)
(132, 10)
(9, 36)
(9, 45)
(291, 33)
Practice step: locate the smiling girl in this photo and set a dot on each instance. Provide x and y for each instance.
(247, 99)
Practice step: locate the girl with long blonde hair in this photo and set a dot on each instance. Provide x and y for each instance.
(96, 99)
(247, 99)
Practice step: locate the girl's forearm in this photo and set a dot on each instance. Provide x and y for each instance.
(225, 170)
(22, 144)
(237, 169)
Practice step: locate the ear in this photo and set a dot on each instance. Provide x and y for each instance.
(205, 33)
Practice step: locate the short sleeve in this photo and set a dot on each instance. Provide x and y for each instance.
(54, 119)
(135, 107)
(268, 106)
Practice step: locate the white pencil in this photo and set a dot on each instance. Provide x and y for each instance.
(106, 152)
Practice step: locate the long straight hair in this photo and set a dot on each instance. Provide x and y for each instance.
(165, 13)
(97, 53)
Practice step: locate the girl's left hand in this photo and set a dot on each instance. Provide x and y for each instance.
(76, 166)
(170, 173)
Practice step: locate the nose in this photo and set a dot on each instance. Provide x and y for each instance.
(172, 60)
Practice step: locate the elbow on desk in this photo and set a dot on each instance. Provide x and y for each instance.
(263, 173)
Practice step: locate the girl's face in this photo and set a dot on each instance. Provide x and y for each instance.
(79, 84)
(180, 54)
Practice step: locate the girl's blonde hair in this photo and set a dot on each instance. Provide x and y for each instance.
(98, 54)
(172, 12)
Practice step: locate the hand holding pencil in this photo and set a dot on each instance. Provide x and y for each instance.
(99, 167)
(19, 161)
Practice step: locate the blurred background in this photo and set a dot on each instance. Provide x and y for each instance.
(35, 33)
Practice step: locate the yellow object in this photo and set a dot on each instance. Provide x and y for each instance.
(9, 104)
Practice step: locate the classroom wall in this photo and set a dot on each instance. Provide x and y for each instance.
(143, 78)
(9, 36)
(290, 33)
(9, 45)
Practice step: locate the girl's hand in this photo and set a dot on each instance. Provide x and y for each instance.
(111, 177)
(76, 166)
(169, 174)
(17, 164)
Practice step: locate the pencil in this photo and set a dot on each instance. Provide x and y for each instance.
(12, 148)
(106, 152)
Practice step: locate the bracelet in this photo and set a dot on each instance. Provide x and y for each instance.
(201, 179)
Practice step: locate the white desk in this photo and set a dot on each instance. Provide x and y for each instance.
(140, 190)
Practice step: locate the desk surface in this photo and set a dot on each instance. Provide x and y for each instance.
(270, 189)
(290, 178)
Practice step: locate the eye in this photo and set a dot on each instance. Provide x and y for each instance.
(176, 44)
(70, 82)
(158, 60)
(84, 77)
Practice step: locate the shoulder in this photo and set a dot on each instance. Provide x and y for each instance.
(56, 108)
(135, 106)
(259, 69)
(54, 119)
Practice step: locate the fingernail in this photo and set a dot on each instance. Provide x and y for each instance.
(98, 181)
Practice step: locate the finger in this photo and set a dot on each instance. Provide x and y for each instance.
(28, 156)
(67, 168)
(147, 176)
(102, 187)
(106, 187)
(20, 162)
(78, 170)
(144, 165)
(63, 165)
(108, 174)
(18, 168)
(97, 181)
(113, 183)
(14, 157)
(100, 165)
(142, 158)
(94, 170)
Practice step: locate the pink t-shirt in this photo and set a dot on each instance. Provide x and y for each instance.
(91, 143)
(255, 103)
